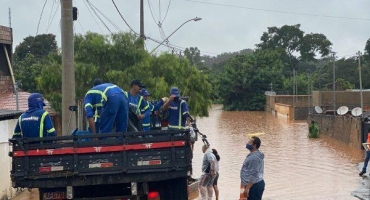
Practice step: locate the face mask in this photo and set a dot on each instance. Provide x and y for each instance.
(249, 147)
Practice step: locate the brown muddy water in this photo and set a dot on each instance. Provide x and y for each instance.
(296, 167)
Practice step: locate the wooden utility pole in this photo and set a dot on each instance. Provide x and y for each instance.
(68, 72)
(142, 35)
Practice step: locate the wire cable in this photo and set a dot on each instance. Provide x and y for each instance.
(42, 11)
(98, 16)
(110, 21)
(279, 11)
(52, 19)
(123, 18)
(93, 17)
(168, 7)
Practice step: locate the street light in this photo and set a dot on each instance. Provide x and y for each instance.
(194, 19)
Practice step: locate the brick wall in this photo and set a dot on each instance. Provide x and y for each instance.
(346, 128)
(6, 84)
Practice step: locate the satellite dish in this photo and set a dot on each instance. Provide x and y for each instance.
(342, 110)
(356, 111)
(318, 109)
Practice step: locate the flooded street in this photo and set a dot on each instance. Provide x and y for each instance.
(295, 167)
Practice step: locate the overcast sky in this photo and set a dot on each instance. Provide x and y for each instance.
(226, 25)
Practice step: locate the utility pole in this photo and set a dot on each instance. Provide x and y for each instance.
(334, 100)
(359, 72)
(142, 35)
(68, 72)
(294, 93)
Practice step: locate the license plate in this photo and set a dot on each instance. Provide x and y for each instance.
(55, 195)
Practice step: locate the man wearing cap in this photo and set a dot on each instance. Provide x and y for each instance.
(35, 122)
(178, 111)
(114, 109)
(137, 103)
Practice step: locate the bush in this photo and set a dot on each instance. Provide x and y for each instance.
(313, 130)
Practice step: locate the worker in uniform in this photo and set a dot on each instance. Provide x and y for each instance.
(96, 108)
(137, 103)
(178, 111)
(114, 109)
(35, 122)
(146, 120)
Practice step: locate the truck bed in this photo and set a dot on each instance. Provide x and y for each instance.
(100, 159)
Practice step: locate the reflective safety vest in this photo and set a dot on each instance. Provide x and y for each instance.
(176, 121)
(35, 124)
(97, 96)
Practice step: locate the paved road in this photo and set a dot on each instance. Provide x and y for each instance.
(363, 191)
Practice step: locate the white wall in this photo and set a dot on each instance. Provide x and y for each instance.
(6, 132)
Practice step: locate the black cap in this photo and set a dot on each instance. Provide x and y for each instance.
(138, 83)
(97, 81)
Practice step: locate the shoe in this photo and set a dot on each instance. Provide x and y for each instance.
(361, 173)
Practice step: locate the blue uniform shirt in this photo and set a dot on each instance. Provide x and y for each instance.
(178, 111)
(139, 104)
(34, 123)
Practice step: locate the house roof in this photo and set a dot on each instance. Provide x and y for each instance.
(9, 113)
(8, 101)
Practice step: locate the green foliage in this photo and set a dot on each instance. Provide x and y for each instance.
(29, 58)
(39, 46)
(120, 58)
(193, 55)
(247, 77)
(313, 130)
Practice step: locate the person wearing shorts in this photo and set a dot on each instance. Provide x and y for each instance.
(208, 174)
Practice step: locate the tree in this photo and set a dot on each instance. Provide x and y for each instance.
(247, 77)
(39, 46)
(290, 40)
(119, 58)
(29, 58)
(193, 55)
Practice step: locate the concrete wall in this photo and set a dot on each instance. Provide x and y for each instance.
(351, 99)
(6, 127)
(282, 105)
(344, 128)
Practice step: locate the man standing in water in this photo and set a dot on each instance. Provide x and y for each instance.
(251, 174)
(208, 174)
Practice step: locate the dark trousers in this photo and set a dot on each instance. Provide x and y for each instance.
(256, 191)
(367, 158)
(114, 112)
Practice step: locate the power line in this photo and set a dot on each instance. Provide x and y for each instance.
(168, 7)
(93, 17)
(110, 21)
(279, 11)
(98, 16)
(42, 11)
(52, 19)
(123, 18)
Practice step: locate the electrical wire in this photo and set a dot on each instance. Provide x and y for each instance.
(123, 18)
(279, 11)
(110, 21)
(42, 11)
(93, 17)
(52, 19)
(98, 16)
(168, 7)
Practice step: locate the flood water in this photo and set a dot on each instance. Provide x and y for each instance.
(296, 167)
